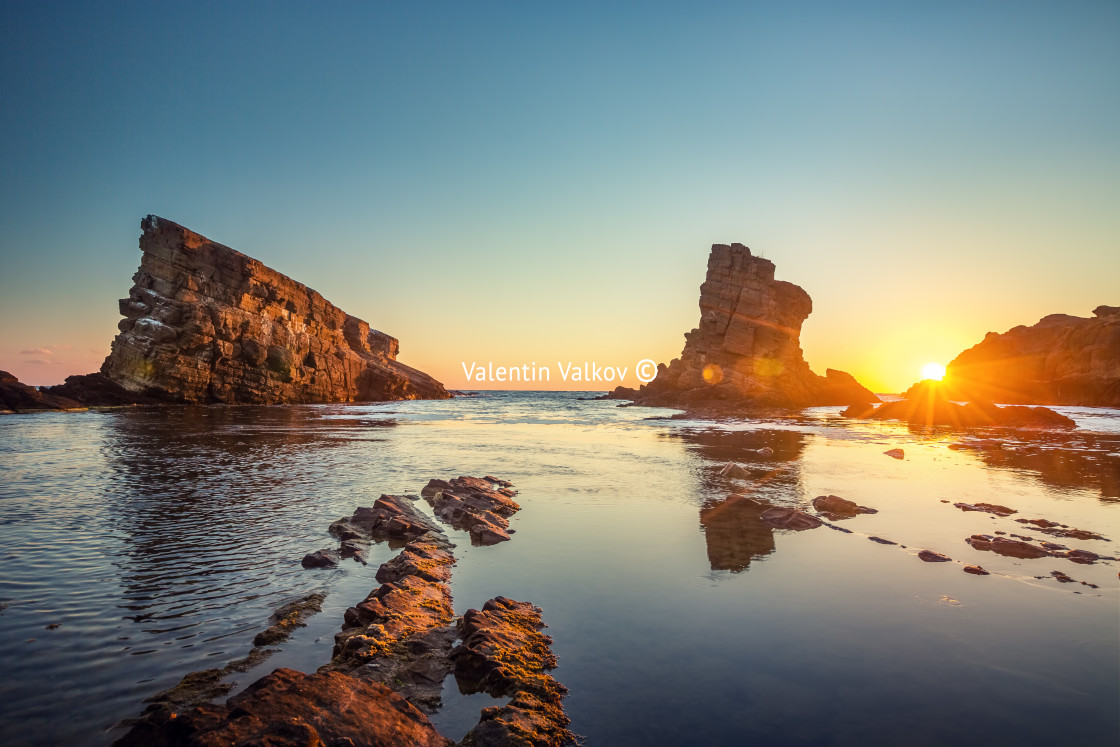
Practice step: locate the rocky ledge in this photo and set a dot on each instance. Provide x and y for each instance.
(204, 323)
(746, 351)
(928, 403)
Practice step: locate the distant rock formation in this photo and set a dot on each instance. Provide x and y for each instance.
(747, 347)
(1061, 360)
(16, 396)
(205, 323)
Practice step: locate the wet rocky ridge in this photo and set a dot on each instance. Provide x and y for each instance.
(392, 655)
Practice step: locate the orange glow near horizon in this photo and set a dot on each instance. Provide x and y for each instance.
(935, 371)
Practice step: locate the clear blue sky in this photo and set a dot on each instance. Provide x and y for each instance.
(538, 181)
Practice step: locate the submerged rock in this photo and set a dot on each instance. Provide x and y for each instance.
(746, 350)
(738, 471)
(991, 508)
(288, 617)
(205, 323)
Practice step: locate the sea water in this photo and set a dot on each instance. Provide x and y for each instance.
(141, 544)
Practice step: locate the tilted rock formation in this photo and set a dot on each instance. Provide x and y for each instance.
(205, 323)
(747, 347)
(1061, 360)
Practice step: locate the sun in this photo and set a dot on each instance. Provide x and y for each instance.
(934, 371)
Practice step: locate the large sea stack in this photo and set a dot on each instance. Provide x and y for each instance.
(1061, 360)
(205, 323)
(747, 351)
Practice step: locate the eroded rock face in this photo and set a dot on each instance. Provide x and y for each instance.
(1061, 360)
(205, 323)
(747, 347)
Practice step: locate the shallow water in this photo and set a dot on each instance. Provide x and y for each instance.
(160, 540)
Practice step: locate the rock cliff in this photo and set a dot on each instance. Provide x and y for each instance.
(205, 323)
(1061, 360)
(747, 347)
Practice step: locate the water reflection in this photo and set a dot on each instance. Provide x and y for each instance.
(733, 531)
(1058, 460)
(214, 506)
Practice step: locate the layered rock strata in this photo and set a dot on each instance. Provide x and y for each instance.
(746, 349)
(1061, 360)
(205, 323)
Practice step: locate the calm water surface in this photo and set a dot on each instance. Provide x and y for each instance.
(160, 540)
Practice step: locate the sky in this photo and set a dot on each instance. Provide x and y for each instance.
(541, 182)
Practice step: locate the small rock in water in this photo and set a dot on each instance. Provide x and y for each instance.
(1085, 557)
(976, 570)
(734, 470)
(765, 451)
(933, 557)
(882, 541)
(835, 507)
(320, 559)
(896, 453)
(991, 508)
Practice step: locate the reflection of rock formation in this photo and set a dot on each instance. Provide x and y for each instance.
(1061, 360)
(747, 347)
(205, 323)
(1057, 460)
(734, 532)
(197, 497)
